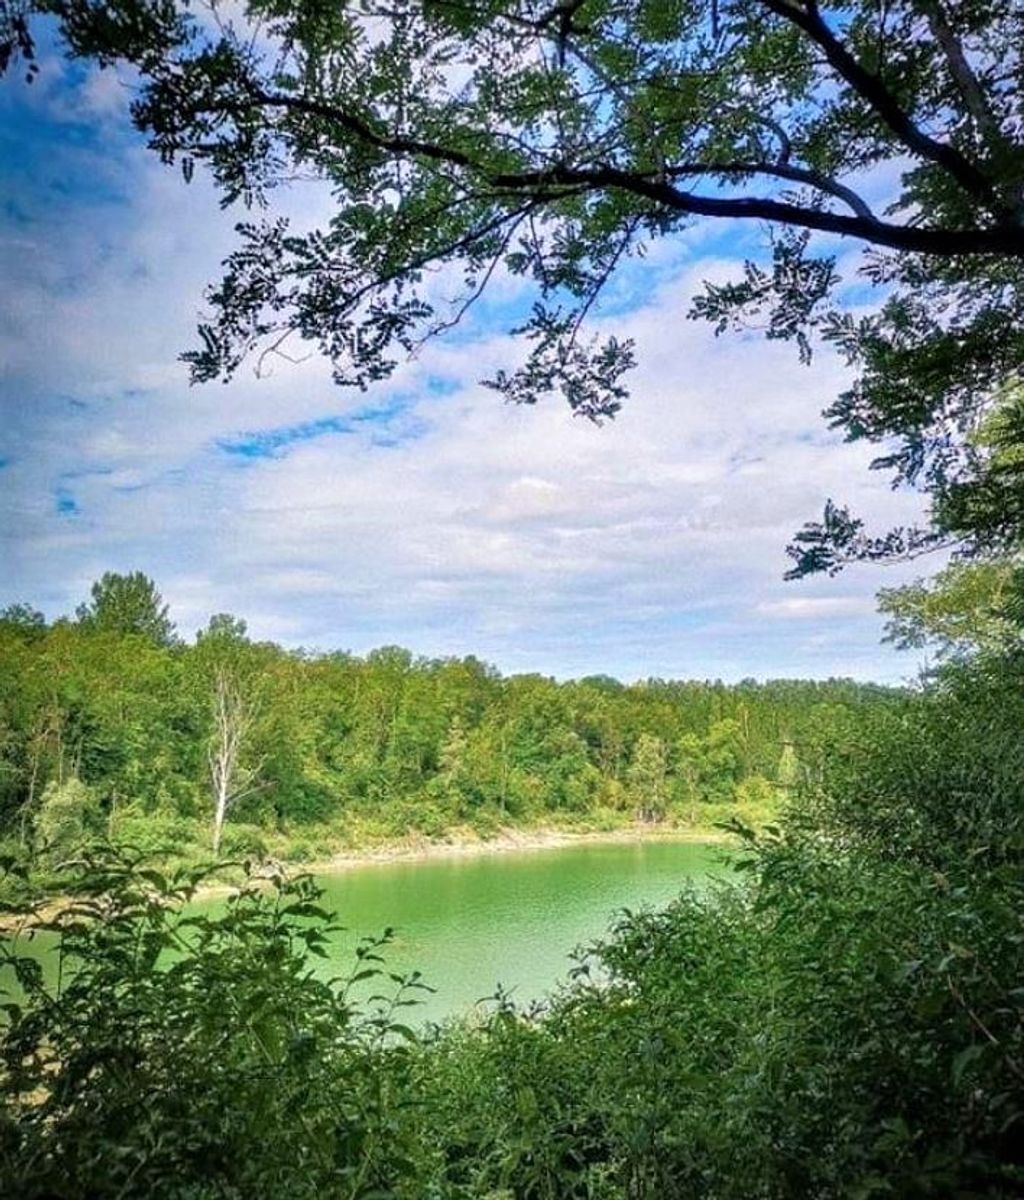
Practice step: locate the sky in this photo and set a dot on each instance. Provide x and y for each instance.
(425, 512)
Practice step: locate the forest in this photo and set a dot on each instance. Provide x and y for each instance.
(844, 1020)
(112, 724)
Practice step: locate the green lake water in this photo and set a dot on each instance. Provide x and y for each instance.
(469, 924)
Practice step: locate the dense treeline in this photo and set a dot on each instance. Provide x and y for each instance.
(848, 1023)
(109, 721)
(847, 1020)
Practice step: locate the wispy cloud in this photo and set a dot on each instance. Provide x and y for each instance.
(427, 513)
(814, 608)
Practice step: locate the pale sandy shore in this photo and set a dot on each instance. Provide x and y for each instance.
(464, 844)
(505, 842)
(469, 845)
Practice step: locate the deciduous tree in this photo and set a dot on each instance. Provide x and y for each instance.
(554, 142)
(647, 775)
(234, 773)
(127, 604)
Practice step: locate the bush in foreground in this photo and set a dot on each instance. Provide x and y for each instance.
(846, 1022)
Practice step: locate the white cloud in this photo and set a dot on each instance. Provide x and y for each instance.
(813, 608)
(650, 546)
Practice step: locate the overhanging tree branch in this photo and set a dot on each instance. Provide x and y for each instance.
(451, 125)
(962, 71)
(872, 88)
(778, 170)
(863, 226)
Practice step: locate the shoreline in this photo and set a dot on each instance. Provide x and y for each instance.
(461, 844)
(468, 845)
(504, 842)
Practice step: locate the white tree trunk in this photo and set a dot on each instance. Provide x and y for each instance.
(233, 718)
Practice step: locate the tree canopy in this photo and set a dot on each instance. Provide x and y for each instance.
(555, 141)
(967, 611)
(127, 604)
(301, 747)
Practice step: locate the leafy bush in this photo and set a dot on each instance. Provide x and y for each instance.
(299, 851)
(485, 822)
(69, 816)
(159, 834)
(757, 800)
(195, 1055)
(244, 841)
(937, 778)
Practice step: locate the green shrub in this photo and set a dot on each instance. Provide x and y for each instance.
(241, 841)
(159, 834)
(757, 800)
(298, 851)
(485, 822)
(420, 814)
(69, 816)
(938, 778)
(193, 1054)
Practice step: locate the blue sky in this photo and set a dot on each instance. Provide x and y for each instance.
(424, 512)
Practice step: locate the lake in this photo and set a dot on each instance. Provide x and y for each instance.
(470, 923)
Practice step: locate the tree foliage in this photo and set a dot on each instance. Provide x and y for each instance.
(300, 747)
(127, 604)
(185, 1054)
(648, 777)
(554, 143)
(68, 818)
(965, 609)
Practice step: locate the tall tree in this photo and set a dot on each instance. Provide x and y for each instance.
(647, 776)
(224, 630)
(23, 618)
(127, 604)
(451, 775)
(234, 773)
(555, 141)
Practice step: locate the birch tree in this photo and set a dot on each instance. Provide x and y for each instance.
(647, 777)
(233, 774)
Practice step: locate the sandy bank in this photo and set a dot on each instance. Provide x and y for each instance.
(466, 844)
(506, 841)
(458, 844)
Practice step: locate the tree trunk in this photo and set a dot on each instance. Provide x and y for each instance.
(233, 718)
(219, 813)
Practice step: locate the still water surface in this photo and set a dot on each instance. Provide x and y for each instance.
(469, 924)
